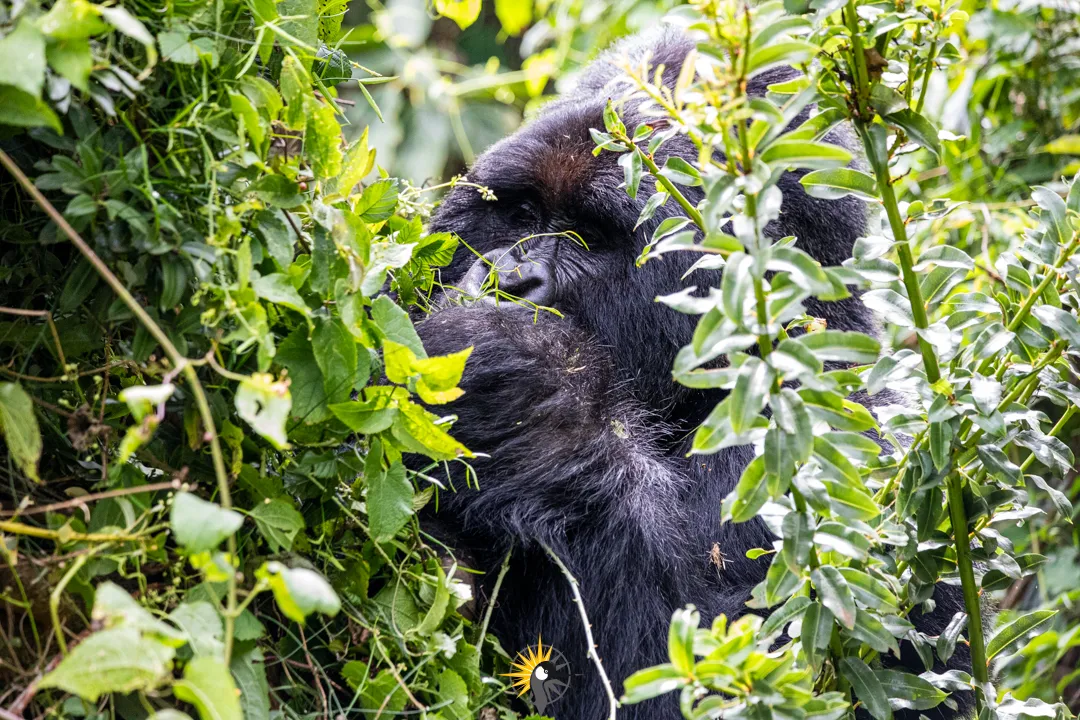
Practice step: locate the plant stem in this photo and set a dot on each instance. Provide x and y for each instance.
(972, 602)
(16, 528)
(613, 704)
(494, 596)
(178, 361)
(688, 208)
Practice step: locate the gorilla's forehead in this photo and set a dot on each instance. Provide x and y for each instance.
(552, 155)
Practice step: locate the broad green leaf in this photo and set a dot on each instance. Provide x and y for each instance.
(1015, 630)
(839, 182)
(202, 624)
(377, 201)
(798, 529)
(750, 394)
(886, 100)
(917, 127)
(395, 325)
(72, 20)
(19, 427)
(337, 356)
(22, 55)
(119, 659)
(750, 494)
(265, 403)
(835, 594)
(789, 611)
(421, 432)
(198, 525)
(208, 685)
(867, 687)
(277, 288)
(114, 607)
(299, 591)
(249, 672)
(278, 522)
(389, 502)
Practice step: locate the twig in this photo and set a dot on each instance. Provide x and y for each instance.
(178, 361)
(613, 703)
(75, 502)
(494, 596)
(69, 536)
(52, 327)
(5, 715)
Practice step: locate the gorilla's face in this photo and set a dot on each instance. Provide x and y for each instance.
(561, 235)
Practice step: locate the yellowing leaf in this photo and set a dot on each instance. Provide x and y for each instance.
(19, 427)
(463, 12)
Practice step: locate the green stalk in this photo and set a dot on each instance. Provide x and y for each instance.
(972, 604)
(688, 208)
(954, 488)
(178, 361)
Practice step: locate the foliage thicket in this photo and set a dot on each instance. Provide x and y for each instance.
(209, 375)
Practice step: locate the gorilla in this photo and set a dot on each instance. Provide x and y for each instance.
(584, 434)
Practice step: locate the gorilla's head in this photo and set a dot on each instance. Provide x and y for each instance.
(561, 232)
(549, 184)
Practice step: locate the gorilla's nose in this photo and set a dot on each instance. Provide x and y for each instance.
(508, 274)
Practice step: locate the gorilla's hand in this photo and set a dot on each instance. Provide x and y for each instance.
(564, 444)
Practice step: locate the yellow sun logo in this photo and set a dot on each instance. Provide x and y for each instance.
(526, 663)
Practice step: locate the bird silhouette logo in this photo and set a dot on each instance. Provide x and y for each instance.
(542, 672)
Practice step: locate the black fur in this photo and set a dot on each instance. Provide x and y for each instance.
(586, 431)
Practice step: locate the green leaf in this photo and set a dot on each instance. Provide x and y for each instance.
(684, 623)
(835, 594)
(1064, 145)
(652, 682)
(750, 393)
(750, 494)
(22, 55)
(907, 691)
(463, 12)
(19, 427)
(842, 346)
(265, 403)
(788, 52)
(377, 201)
(839, 182)
(1015, 630)
(395, 325)
(337, 357)
(114, 607)
(22, 109)
(886, 101)
(299, 591)
(72, 20)
(817, 627)
(198, 525)
(917, 127)
(208, 685)
(202, 624)
(946, 642)
(805, 154)
(1061, 322)
(249, 672)
(798, 529)
(279, 522)
(322, 139)
(72, 59)
(277, 288)
(118, 659)
(389, 502)
(867, 687)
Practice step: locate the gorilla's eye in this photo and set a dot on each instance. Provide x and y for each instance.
(523, 212)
